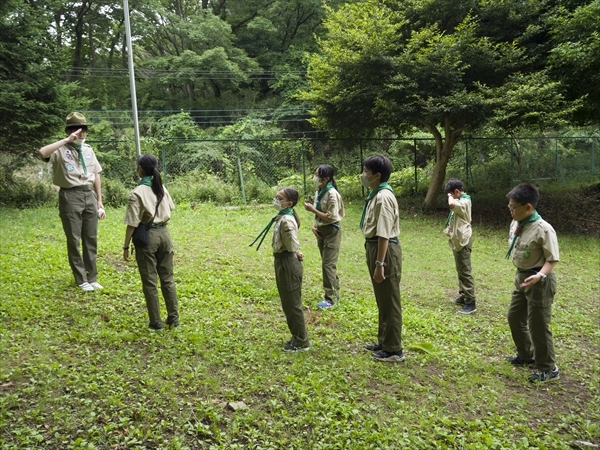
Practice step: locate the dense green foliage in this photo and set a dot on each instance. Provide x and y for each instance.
(82, 371)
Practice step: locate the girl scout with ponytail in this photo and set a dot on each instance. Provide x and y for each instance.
(288, 265)
(150, 201)
(329, 211)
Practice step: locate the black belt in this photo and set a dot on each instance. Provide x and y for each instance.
(85, 188)
(284, 254)
(375, 239)
(158, 225)
(534, 270)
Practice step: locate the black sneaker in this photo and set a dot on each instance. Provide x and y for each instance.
(289, 347)
(540, 377)
(156, 325)
(174, 322)
(469, 308)
(373, 347)
(459, 301)
(392, 357)
(518, 361)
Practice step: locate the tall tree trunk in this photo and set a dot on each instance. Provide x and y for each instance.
(443, 152)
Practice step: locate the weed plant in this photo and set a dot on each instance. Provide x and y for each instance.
(83, 371)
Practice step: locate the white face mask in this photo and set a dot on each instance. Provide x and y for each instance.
(364, 180)
(316, 180)
(78, 141)
(277, 204)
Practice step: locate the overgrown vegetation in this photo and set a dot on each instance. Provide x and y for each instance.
(83, 371)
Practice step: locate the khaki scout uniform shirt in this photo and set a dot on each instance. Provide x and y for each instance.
(332, 205)
(459, 229)
(67, 169)
(142, 204)
(536, 244)
(382, 218)
(285, 235)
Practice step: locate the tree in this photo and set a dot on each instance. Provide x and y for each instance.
(33, 95)
(440, 67)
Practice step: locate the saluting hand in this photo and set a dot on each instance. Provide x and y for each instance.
(74, 135)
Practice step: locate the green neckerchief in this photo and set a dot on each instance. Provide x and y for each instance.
(146, 181)
(326, 188)
(284, 212)
(463, 195)
(381, 187)
(81, 158)
(520, 224)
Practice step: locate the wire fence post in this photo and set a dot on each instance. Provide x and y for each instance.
(362, 158)
(163, 157)
(239, 164)
(415, 165)
(303, 166)
(593, 155)
(467, 159)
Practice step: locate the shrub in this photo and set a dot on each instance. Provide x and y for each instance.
(114, 193)
(203, 187)
(29, 186)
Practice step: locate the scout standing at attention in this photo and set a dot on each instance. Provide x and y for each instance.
(380, 223)
(76, 172)
(150, 201)
(458, 229)
(288, 265)
(534, 251)
(329, 211)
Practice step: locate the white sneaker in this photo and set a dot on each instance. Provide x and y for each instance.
(86, 287)
(96, 285)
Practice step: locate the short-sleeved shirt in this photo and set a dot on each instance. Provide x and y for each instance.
(285, 235)
(332, 205)
(142, 204)
(67, 170)
(536, 244)
(382, 218)
(459, 229)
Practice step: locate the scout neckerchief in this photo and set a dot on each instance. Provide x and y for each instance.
(520, 224)
(81, 158)
(381, 187)
(284, 212)
(463, 195)
(146, 181)
(320, 194)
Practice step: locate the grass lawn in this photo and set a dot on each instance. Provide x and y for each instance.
(82, 370)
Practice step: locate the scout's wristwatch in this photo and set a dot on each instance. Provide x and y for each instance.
(380, 263)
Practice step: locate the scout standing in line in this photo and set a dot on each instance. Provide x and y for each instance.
(458, 229)
(329, 211)
(76, 172)
(151, 201)
(534, 251)
(288, 265)
(380, 223)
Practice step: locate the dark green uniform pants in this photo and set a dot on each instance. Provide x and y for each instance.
(288, 275)
(78, 210)
(462, 260)
(529, 316)
(156, 261)
(329, 246)
(387, 295)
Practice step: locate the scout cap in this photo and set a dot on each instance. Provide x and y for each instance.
(76, 119)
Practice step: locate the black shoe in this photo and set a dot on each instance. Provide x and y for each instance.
(392, 357)
(373, 347)
(289, 347)
(469, 308)
(541, 377)
(517, 361)
(156, 325)
(459, 301)
(172, 322)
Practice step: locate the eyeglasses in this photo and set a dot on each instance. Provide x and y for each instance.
(512, 208)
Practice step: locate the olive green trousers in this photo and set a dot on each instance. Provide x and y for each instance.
(329, 247)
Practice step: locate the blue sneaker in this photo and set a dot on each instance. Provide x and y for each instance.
(325, 304)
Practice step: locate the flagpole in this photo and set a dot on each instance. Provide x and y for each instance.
(136, 126)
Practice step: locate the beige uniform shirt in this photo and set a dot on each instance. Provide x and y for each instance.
(382, 218)
(536, 244)
(459, 229)
(142, 204)
(285, 235)
(67, 170)
(332, 205)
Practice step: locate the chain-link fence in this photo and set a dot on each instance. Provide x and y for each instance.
(247, 170)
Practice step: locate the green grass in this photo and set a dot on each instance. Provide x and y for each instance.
(83, 371)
